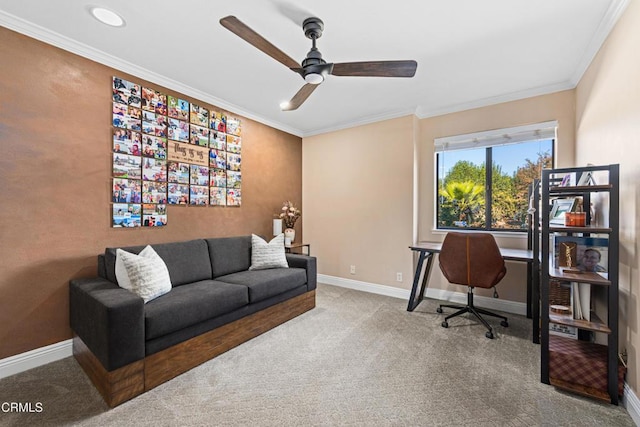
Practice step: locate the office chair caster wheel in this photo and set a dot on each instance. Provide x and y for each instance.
(439, 310)
(445, 324)
(489, 335)
(504, 323)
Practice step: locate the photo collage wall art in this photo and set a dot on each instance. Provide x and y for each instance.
(168, 151)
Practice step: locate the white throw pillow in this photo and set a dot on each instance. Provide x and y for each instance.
(121, 272)
(148, 274)
(267, 255)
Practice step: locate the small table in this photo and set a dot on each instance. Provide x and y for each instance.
(290, 249)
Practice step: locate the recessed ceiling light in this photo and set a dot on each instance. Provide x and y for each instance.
(107, 16)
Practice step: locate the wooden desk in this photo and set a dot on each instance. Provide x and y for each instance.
(426, 251)
(301, 246)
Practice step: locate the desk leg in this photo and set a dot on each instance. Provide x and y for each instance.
(413, 301)
(535, 296)
(529, 288)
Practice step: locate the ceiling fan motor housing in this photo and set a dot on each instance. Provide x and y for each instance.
(313, 64)
(313, 27)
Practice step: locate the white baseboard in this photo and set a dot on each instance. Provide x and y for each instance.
(631, 404)
(439, 294)
(34, 358)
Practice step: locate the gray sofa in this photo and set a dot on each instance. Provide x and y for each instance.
(127, 347)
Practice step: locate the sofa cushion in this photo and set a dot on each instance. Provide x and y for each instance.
(229, 254)
(187, 261)
(122, 275)
(147, 274)
(190, 304)
(267, 255)
(264, 284)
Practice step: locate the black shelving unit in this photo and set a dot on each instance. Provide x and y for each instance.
(566, 362)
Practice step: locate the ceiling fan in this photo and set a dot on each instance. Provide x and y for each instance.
(314, 69)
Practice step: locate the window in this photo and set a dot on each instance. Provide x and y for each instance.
(471, 195)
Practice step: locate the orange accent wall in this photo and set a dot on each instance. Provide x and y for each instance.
(55, 186)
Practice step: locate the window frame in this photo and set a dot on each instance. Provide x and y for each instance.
(462, 142)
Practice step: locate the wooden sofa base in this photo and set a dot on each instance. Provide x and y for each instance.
(129, 381)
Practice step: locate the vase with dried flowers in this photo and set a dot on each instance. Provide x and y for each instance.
(289, 216)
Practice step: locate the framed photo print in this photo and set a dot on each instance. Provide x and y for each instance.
(559, 208)
(126, 190)
(127, 166)
(178, 194)
(198, 195)
(154, 215)
(234, 179)
(178, 130)
(153, 146)
(126, 215)
(233, 126)
(199, 115)
(234, 197)
(178, 172)
(218, 196)
(199, 175)
(154, 101)
(154, 170)
(154, 192)
(199, 136)
(178, 108)
(218, 178)
(217, 140)
(586, 254)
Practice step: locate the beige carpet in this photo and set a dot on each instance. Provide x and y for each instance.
(356, 359)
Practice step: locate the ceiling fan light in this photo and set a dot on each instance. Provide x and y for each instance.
(284, 105)
(314, 78)
(107, 17)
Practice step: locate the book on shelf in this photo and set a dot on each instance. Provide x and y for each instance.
(581, 301)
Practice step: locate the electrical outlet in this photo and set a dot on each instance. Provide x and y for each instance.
(352, 270)
(399, 277)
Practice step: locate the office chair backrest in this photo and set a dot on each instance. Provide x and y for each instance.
(472, 259)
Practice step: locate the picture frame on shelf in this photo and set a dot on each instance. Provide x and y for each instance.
(588, 254)
(586, 179)
(566, 180)
(559, 208)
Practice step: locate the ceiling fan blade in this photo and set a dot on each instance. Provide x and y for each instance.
(376, 69)
(240, 29)
(299, 97)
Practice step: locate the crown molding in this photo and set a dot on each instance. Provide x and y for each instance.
(614, 12)
(44, 35)
(493, 100)
(360, 122)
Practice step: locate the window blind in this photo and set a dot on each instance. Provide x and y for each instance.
(496, 137)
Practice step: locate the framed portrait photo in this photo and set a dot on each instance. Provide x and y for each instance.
(559, 208)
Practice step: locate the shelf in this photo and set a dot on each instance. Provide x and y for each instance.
(595, 325)
(585, 277)
(579, 365)
(573, 229)
(579, 190)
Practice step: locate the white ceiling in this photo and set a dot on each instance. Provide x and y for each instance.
(470, 53)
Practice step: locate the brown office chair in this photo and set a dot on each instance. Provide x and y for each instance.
(474, 260)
